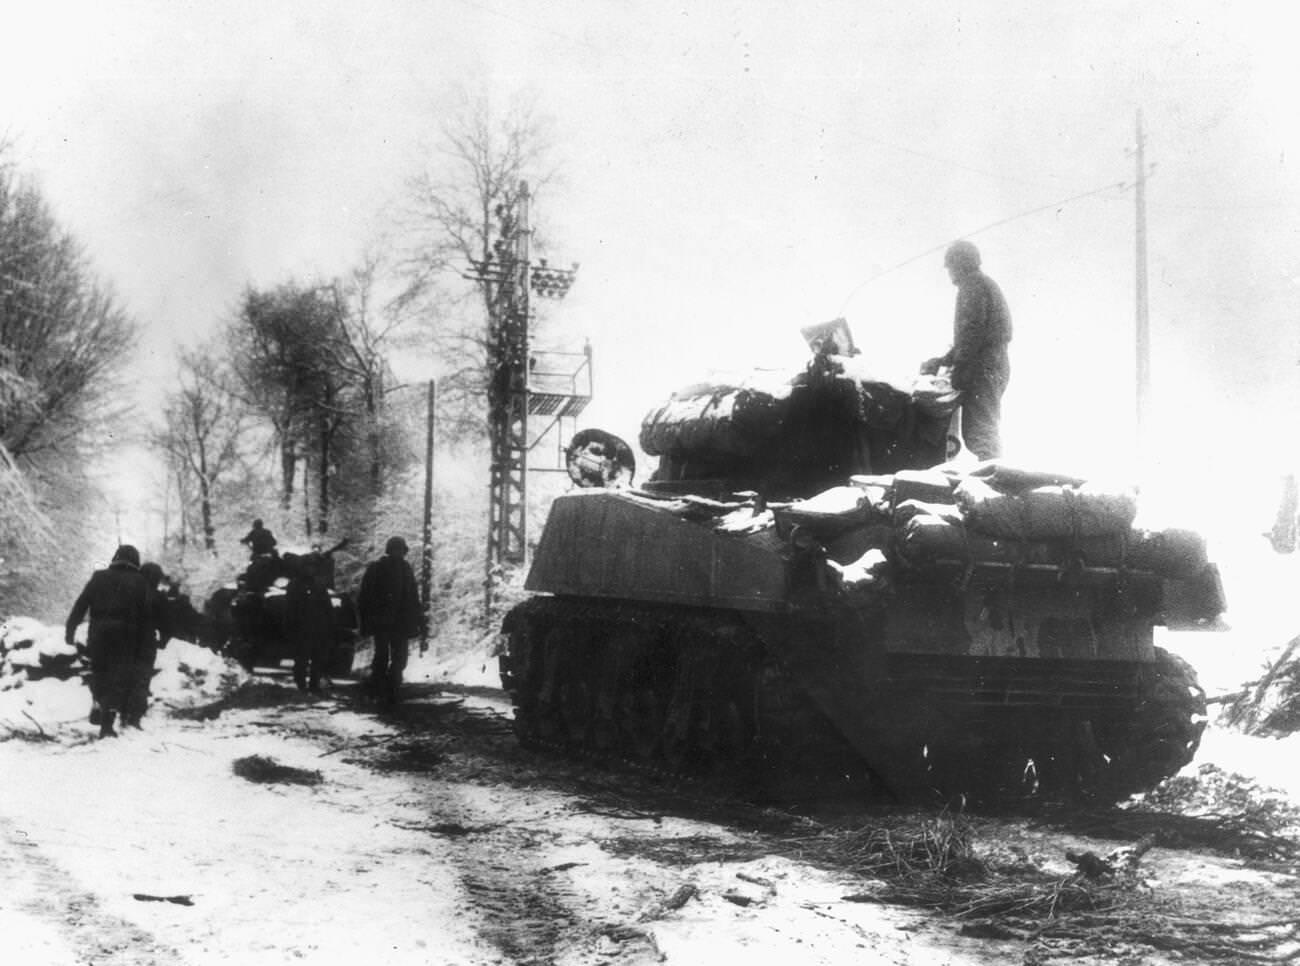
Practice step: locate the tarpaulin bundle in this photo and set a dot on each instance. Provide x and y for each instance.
(737, 417)
(728, 421)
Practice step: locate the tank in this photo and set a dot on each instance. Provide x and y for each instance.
(806, 593)
(258, 619)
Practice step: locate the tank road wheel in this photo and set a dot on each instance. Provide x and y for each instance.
(728, 731)
(569, 679)
(641, 712)
(697, 661)
(629, 706)
(1162, 735)
(550, 723)
(708, 726)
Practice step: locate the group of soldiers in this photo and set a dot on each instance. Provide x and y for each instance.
(126, 604)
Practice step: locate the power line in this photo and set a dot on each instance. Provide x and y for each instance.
(684, 75)
(1118, 186)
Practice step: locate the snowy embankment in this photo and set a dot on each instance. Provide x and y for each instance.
(43, 680)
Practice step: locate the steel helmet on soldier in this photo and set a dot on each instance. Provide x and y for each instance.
(127, 554)
(396, 547)
(962, 255)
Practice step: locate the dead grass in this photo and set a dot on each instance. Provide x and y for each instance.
(936, 864)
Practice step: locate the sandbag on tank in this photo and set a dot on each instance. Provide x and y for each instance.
(1045, 512)
(1170, 553)
(929, 534)
(830, 512)
(927, 538)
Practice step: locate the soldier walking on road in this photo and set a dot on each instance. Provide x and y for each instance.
(310, 616)
(117, 600)
(390, 612)
(136, 700)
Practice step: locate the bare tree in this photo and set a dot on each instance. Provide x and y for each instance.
(274, 345)
(203, 436)
(370, 327)
(63, 336)
(63, 341)
(453, 220)
(312, 362)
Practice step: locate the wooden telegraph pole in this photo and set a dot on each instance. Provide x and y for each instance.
(1143, 317)
(426, 557)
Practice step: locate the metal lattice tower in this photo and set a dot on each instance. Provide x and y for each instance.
(509, 279)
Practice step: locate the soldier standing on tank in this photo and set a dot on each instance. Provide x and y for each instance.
(390, 612)
(117, 600)
(263, 565)
(260, 540)
(980, 365)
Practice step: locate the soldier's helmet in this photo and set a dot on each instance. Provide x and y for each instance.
(962, 255)
(127, 554)
(396, 547)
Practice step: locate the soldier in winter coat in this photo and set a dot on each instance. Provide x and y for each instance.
(390, 611)
(310, 618)
(259, 540)
(136, 701)
(117, 600)
(981, 368)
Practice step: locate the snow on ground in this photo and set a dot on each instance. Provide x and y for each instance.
(245, 855)
(348, 870)
(186, 674)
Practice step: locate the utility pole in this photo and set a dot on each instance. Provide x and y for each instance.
(1143, 317)
(426, 557)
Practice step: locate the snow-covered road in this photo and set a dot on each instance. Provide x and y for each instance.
(414, 847)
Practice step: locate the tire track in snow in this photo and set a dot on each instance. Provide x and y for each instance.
(38, 889)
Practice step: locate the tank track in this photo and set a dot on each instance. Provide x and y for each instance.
(695, 693)
(1159, 738)
(671, 692)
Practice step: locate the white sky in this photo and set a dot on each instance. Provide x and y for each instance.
(734, 171)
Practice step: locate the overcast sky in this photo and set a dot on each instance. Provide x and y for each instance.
(734, 171)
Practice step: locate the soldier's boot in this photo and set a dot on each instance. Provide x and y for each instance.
(95, 713)
(106, 729)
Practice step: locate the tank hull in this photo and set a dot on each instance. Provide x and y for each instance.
(667, 642)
